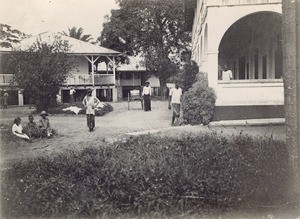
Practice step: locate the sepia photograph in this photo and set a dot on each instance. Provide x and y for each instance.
(150, 109)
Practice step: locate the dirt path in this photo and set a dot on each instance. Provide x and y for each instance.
(74, 134)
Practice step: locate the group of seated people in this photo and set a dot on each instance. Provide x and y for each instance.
(33, 130)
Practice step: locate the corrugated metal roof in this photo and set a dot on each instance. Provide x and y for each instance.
(135, 64)
(4, 49)
(76, 46)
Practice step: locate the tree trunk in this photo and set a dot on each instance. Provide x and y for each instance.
(292, 88)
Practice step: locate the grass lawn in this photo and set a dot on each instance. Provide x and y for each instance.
(74, 140)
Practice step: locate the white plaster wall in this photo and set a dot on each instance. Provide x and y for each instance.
(218, 20)
(242, 93)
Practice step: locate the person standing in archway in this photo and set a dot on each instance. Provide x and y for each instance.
(226, 74)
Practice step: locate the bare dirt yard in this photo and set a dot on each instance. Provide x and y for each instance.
(122, 123)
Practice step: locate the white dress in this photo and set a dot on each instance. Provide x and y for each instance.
(18, 131)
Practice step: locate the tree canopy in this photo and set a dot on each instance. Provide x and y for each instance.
(10, 36)
(78, 34)
(41, 70)
(153, 28)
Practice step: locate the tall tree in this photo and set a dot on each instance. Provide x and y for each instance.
(10, 36)
(42, 69)
(153, 28)
(78, 34)
(291, 69)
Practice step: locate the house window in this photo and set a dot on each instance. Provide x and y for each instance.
(256, 64)
(137, 76)
(264, 70)
(128, 75)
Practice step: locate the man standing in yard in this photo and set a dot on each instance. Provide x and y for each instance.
(72, 93)
(5, 99)
(90, 102)
(175, 100)
(147, 96)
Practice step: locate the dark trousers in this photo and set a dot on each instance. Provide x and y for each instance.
(90, 121)
(72, 98)
(147, 103)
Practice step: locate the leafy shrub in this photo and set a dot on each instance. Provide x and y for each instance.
(149, 176)
(198, 104)
(98, 112)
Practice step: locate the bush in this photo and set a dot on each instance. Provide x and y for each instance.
(149, 176)
(198, 104)
(186, 76)
(98, 112)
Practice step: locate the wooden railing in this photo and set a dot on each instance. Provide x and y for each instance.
(6, 79)
(86, 79)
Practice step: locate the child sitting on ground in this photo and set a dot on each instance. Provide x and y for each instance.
(31, 129)
(17, 129)
(45, 127)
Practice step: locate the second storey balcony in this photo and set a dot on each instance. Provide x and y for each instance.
(6, 79)
(87, 79)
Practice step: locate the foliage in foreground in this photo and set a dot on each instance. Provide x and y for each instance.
(100, 111)
(149, 176)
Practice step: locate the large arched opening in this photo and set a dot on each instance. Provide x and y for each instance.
(252, 47)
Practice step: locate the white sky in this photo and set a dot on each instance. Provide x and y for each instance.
(37, 16)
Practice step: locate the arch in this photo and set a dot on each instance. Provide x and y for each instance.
(254, 44)
(236, 13)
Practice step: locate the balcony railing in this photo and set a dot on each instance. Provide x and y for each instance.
(250, 92)
(86, 79)
(239, 2)
(6, 79)
(130, 82)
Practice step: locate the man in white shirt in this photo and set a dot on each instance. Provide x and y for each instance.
(175, 100)
(72, 93)
(226, 74)
(147, 96)
(90, 102)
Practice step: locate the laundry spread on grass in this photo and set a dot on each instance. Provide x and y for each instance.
(76, 109)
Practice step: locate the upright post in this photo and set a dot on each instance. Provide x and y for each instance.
(298, 88)
(93, 73)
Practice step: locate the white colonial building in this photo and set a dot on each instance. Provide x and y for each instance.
(246, 36)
